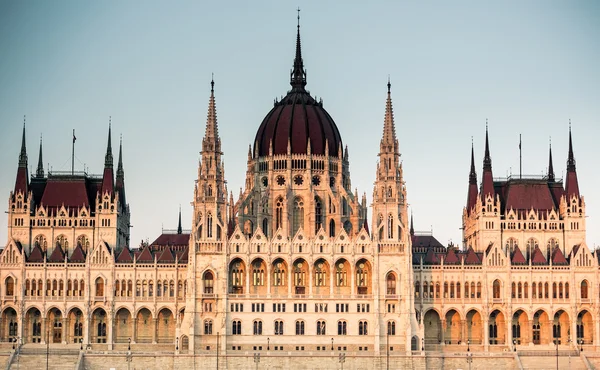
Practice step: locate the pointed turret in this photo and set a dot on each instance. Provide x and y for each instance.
(39, 173)
(487, 182)
(211, 141)
(120, 183)
(179, 228)
(412, 225)
(389, 143)
(572, 185)
(550, 166)
(472, 193)
(22, 181)
(108, 176)
(298, 74)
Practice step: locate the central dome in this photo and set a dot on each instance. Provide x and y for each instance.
(299, 119)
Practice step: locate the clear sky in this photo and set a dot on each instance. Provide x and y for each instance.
(526, 66)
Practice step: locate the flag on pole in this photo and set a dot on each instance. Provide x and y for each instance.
(74, 138)
(519, 141)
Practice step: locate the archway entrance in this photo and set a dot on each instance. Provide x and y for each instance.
(453, 330)
(560, 328)
(433, 326)
(55, 322)
(474, 327)
(519, 328)
(540, 328)
(497, 328)
(585, 328)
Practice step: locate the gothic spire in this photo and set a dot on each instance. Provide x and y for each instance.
(487, 183)
(472, 193)
(40, 167)
(120, 182)
(211, 140)
(108, 158)
(412, 225)
(298, 74)
(120, 165)
(571, 159)
(472, 173)
(23, 153)
(487, 159)
(179, 229)
(572, 184)
(550, 165)
(389, 128)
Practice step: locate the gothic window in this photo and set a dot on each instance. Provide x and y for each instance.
(299, 327)
(320, 274)
(511, 243)
(280, 180)
(41, 242)
(10, 286)
(279, 274)
(62, 241)
(278, 327)
(298, 180)
(257, 327)
(531, 245)
(299, 275)
(209, 223)
(236, 327)
(258, 274)
(298, 215)
(362, 328)
(390, 226)
(316, 180)
(332, 228)
(99, 287)
(278, 214)
(361, 275)
(391, 328)
(208, 281)
(209, 191)
(342, 325)
(552, 244)
(341, 278)
(208, 326)
(584, 289)
(391, 283)
(321, 327)
(318, 214)
(237, 275)
(265, 226)
(84, 242)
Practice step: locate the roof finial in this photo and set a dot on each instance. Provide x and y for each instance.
(40, 168)
(298, 75)
(298, 10)
(179, 229)
(487, 160)
(571, 158)
(389, 84)
(108, 159)
(550, 164)
(212, 83)
(23, 154)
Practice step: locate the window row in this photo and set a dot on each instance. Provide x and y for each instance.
(300, 327)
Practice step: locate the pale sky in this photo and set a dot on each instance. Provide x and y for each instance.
(526, 66)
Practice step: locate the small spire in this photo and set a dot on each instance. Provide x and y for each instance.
(571, 159)
(412, 225)
(389, 85)
(179, 229)
(23, 154)
(40, 167)
(120, 165)
(550, 165)
(472, 173)
(108, 159)
(212, 83)
(487, 159)
(389, 129)
(298, 75)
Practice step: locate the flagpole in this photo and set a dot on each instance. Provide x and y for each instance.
(73, 156)
(520, 159)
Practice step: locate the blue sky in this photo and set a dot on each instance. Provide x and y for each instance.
(526, 66)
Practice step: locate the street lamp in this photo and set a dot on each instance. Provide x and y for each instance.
(556, 342)
(19, 342)
(468, 345)
(580, 345)
(129, 345)
(177, 344)
(422, 344)
(81, 344)
(332, 344)
(257, 359)
(129, 358)
(268, 344)
(469, 359)
(515, 345)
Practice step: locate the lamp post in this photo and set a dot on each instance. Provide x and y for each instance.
(19, 340)
(556, 342)
(515, 345)
(342, 359)
(257, 359)
(81, 344)
(217, 353)
(469, 359)
(177, 344)
(47, 343)
(580, 345)
(422, 344)
(332, 344)
(268, 343)
(569, 341)
(387, 345)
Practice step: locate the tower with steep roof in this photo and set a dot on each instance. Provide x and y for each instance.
(572, 204)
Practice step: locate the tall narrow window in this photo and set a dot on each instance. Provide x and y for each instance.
(257, 327)
(278, 214)
(208, 282)
(584, 289)
(318, 214)
(298, 215)
(265, 226)
(321, 326)
(209, 224)
(278, 327)
(390, 228)
(299, 327)
(362, 328)
(332, 228)
(342, 328)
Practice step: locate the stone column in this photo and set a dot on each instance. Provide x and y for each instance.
(486, 334)
(111, 323)
(86, 327)
(45, 335)
(154, 331)
(134, 334)
(463, 331)
(443, 331)
(65, 331)
(509, 334)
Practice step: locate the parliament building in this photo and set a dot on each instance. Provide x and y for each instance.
(297, 264)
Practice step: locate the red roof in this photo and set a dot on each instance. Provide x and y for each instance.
(172, 239)
(431, 258)
(108, 180)
(78, 255)
(472, 258)
(36, 254)
(572, 185)
(517, 257)
(558, 258)
(537, 257)
(125, 256)
(70, 192)
(145, 256)
(183, 257)
(21, 183)
(166, 256)
(451, 257)
(529, 195)
(366, 227)
(57, 254)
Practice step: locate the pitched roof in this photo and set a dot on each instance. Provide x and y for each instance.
(166, 256)
(366, 227)
(172, 239)
(425, 241)
(36, 254)
(528, 194)
(472, 258)
(71, 192)
(451, 257)
(57, 254)
(125, 256)
(183, 258)
(145, 256)
(431, 258)
(77, 255)
(537, 257)
(558, 258)
(517, 257)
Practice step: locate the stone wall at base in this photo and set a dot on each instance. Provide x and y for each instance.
(246, 362)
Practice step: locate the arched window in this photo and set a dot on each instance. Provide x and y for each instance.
(584, 289)
(320, 274)
(99, 287)
(208, 326)
(318, 214)
(278, 327)
(83, 242)
(257, 327)
(10, 286)
(321, 327)
(209, 224)
(209, 191)
(391, 283)
(298, 221)
(362, 275)
(208, 282)
(299, 327)
(279, 214)
(258, 274)
(41, 242)
(531, 245)
(341, 276)
(390, 226)
(342, 326)
(391, 328)
(362, 328)
(279, 274)
(62, 241)
(332, 228)
(236, 327)
(511, 244)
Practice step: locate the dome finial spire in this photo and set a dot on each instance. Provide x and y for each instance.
(298, 75)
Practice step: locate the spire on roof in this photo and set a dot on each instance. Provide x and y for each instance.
(108, 158)
(389, 128)
(412, 225)
(120, 165)
(120, 182)
(571, 159)
(40, 167)
(211, 141)
(298, 74)
(487, 159)
(472, 193)
(179, 229)
(487, 183)
(472, 173)
(23, 154)
(572, 184)
(550, 165)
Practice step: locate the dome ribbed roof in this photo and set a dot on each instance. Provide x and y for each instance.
(299, 119)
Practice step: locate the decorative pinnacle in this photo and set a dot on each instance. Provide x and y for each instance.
(298, 75)
(212, 83)
(472, 173)
(40, 166)
(550, 165)
(108, 159)
(487, 160)
(23, 154)
(389, 85)
(571, 159)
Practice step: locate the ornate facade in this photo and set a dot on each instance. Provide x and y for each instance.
(292, 265)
